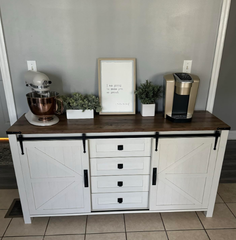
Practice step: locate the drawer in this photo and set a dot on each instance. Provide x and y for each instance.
(120, 166)
(136, 183)
(120, 147)
(118, 201)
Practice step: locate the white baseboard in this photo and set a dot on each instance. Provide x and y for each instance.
(232, 135)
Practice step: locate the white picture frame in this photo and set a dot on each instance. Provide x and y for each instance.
(117, 84)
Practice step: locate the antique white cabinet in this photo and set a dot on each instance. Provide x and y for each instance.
(62, 171)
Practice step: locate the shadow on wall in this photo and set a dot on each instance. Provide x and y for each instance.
(56, 82)
(156, 79)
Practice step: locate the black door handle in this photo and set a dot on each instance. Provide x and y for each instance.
(120, 165)
(86, 178)
(120, 200)
(120, 147)
(120, 184)
(154, 176)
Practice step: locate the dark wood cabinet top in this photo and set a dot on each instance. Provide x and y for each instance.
(202, 120)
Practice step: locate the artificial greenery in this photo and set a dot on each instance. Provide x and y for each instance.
(82, 102)
(148, 93)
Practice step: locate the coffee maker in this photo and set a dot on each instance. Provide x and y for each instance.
(180, 90)
(42, 102)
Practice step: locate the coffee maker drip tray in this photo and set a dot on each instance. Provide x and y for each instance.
(37, 121)
(178, 118)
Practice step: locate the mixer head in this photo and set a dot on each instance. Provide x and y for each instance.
(38, 82)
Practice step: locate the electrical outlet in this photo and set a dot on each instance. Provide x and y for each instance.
(187, 66)
(32, 65)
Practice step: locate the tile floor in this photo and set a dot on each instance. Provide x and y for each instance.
(155, 226)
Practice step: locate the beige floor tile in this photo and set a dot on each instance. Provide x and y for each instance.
(106, 236)
(105, 223)
(66, 225)
(7, 196)
(3, 222)
(65, 237)
(143, 222)
(181, 221)
(147, 236)
(227, 191)
(23, 238)
(222, 218)
(187, 235)
(17, 227)
(232, 207)
(219, 199)
(226, 234)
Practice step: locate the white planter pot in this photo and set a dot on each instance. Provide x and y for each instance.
(79, 114)
(148, 110)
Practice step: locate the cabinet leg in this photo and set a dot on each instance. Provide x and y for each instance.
(27, 219)
(209, 212)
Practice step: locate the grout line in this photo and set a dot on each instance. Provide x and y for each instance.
(227, 205)
(46, 228)
(6, 228)
(164, 226)
(86, 222)
(202, 225)
(125, 227)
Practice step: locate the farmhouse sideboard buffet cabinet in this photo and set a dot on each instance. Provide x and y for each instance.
(118, 164)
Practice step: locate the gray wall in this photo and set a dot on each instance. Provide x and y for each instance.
(225, 101)
(66, 37)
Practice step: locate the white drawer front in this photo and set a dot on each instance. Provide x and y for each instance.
(120, 166)
(108, 184)
(116, 201)
(120, 147)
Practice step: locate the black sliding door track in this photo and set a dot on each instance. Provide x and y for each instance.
(22, 139)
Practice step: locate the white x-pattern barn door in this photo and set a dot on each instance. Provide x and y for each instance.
(54, 176)
(185, 169)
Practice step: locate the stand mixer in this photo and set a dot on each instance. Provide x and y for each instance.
(42, 102)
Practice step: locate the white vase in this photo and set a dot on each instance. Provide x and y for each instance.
(79, 114)
(148, 110)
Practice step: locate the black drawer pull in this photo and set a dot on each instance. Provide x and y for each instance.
(120, 184)
(120, 165)
(120, 200)
(120, 147)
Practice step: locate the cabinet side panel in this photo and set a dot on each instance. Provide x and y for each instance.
(19, 177)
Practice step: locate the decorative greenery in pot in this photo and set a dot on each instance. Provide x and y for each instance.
(81, 106)
(148, 94)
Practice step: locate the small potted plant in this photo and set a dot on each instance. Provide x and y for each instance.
(148, 94)
(79, 106)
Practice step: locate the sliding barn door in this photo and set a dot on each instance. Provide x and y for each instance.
(184, 169)
(54, 177)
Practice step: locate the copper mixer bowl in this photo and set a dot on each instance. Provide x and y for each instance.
(43, 107)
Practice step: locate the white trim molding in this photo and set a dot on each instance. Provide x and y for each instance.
(218, 54)
(6, 78)
(232, 135)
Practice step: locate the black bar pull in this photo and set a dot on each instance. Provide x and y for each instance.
(120, 200)
(154, 176)
(86, 184)
(120, 147)
(120, 184)
(217, 134)
(20, 138)
(84, 142)
(120, 165)
(156, 136)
